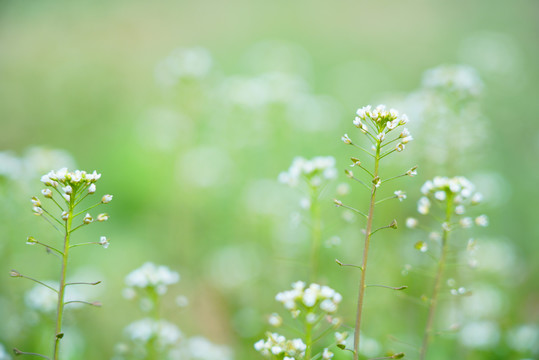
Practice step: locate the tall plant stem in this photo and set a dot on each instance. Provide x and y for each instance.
(61, 290)
(437, 282)
(362, 285)
(308, 340)
(316, 234)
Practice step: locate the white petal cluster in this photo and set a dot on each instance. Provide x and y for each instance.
(460, 190)
(200, 348)
(165, 333)
(151, 275)
(278, 346)
(314, 171)
(3, 353)
(184, 63)
(69, 179)
(378, 122)
(310, 297)
(460, 80)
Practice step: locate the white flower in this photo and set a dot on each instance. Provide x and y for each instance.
(411, 222)
(460, 209)
(477, 198)
(65, 215)
(423, 205)
(37, 210)
(481, 220)
(275, 320)
(150, 275)
(47, 193)
(401, 195)
(102, 217)
(67, 197)
(91, 189)
(68, 189)
(400, 147)
(346, 139)
(412, 172)
(88, 219)
(106, 199)
(326, 355)
(381, 136)
(440, 195)
(103, 241)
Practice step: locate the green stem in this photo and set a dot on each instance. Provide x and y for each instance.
(316, 233)
(362, 285)
(438, 281)
(308, 340)
(61, 290)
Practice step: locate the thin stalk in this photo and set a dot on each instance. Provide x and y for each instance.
(437, 282)
(308, 340)
(316, 233)
(151, 345)
(61, 290)
(362, 285)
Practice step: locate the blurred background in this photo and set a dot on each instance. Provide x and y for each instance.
(191, 109)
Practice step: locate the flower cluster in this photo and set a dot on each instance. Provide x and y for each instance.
(314, 171)
(461, 192)
(278, 346)
(461, 80)
(309, 298)
(163, 332)
(378, 122)
(150, 275)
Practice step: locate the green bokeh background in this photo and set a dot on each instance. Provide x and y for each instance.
(79, 76)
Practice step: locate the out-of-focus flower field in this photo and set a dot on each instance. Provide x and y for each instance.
(191, 110)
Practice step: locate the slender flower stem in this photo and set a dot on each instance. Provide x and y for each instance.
(61, 291)
(438, 281)
(316, 233)
(308, 340)
(362, 285)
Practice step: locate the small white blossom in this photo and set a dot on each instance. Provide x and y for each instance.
(68, 189)
(102, 217)
(423, 205)
(411, 222)
(88, 219)
(401, 195)
(103, 241)
(481, 220)
(150, 275)
(106, 199)
(326, 355)
(346, 139)
(47, 193)
(91, 189)
(275, 320)
(65, 215)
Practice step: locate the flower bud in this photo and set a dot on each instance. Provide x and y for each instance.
(338, 203)
(102, 217)
(31, 241)
(106, 199)
(88, 219)
(65, 215)
(14, 273)
(47, 193)
(37, 210)
(91, 189)
(35, 201)
(346, 139)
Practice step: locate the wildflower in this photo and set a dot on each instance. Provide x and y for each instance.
(338, 203)
(88, 219)
(326, 355)
(440, 195)
(65, 215)
(275, 320)
(346, 139)
(466, 222)
(103, 241)
(376, 181)
(151, 275)
(421, 246)
(380, 136)
(35, 201)
(102, 217)
(106, 199)
(357, 122)
(340, 338)
(67, 197)
(400, 146)
(423, 205)
(412, 172)
(47, 193)
(460, 209)
(91, 189)
(401, 195)
(477, 198)
(481, 220)
(411, 222)
(316, 170)
(37, 210)
(68, 189)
